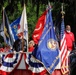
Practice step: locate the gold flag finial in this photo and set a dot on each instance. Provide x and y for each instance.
(3, 8)
(62, 11)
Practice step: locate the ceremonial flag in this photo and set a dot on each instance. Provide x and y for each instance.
(23, 24)
(47, 51)
(39, 27)
(20, 25)
(63, 48)
(14, 28)
(7, 31)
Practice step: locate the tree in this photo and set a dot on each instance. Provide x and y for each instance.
(34, 9)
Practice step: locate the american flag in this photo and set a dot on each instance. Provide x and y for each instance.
(63, 47)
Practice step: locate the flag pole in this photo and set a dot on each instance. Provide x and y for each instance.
(23, 32)
(3, 21)
(3, 16)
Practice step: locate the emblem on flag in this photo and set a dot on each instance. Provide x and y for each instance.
(52, 44)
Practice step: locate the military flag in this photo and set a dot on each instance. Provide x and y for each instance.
(47, 51)
(14, 28)
(6, 28)
(39, 27)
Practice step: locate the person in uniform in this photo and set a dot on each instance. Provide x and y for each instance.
(20, 44)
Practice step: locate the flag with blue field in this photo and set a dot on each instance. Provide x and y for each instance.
(14, 27)
(47, 51)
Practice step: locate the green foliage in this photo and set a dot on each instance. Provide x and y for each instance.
(14, 10)
(31, 17)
